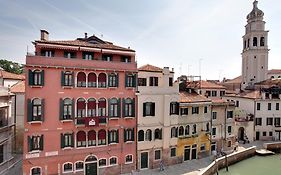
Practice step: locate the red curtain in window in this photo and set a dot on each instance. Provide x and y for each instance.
(102, 134)
(92, 77)
(102, 104)
(81, 136)
(102, 77)
(92, 135)
(91, 104)
(81, 104)
(81, 76)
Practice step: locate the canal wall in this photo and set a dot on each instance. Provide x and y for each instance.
(275, 146)
(231, 159)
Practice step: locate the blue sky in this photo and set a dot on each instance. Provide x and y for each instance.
(176, 33)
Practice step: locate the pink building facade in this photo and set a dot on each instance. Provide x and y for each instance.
(81, 108)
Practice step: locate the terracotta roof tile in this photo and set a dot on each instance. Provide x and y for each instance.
(186, 97)
(18, 87)
(254, 94)
(274, 71)
(203, 85)
(234, 80)
(8, 75)
(150, 68)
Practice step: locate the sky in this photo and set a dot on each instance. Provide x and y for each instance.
(192, 36)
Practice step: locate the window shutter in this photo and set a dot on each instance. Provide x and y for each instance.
(73, 109)
(62, 140)
(29, 110)
(42, 109)
(108, 79)
(133, 107)
(30, 78)
(150, 81)
(133, 134)
(61, 109)
(143, 109)
(125, 135)
(109, 113)
(117, 136)
(29, 142)
(134, 80)
(126, 80)
(72, 81)
(108, 137)
(176, 132)
(171, 104)
(123, 107)
(62, 78)
(117, 80)
(160, 133)
(42, 77)
(152, 109)
(41, 142)
(177, 108)
(156, 81)
(119, 107)
(72, 140)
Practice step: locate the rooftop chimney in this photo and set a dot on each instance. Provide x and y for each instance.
(86, 35)
(44, 35)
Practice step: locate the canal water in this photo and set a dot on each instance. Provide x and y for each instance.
(257, 165)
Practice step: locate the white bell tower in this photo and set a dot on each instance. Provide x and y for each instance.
(255, 49)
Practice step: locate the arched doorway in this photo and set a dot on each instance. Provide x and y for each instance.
(241, 133)
(91, 165)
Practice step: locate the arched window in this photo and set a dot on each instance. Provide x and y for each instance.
(102, 137)
(79, 166)
(67, 109)
(181, 131)
(81, 107)
(36, 171)
(262, 41)
(102, 80)
(186, 130)
(92, 138)
(81, 139)
(91, 107)
(81, 79)
(248, 44)
(279, 76)
(113, 108)
(255, 41)
(91, 159)
(141, 135)
(36, 109)
(113, 161)
(129, 107)
(129, 158)
(102, 107)
(148, 135)
(194, 131)
(92, 80)
(102, 162)
(272, 77)
(67, 167)
(158, 134)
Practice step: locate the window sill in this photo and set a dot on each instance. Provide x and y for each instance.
(114, 143)
(114, 118)
(126, 163)
(184, 115)
(112, 165)
(129, 142)
(65, 172)
(129, 117)
(36, 86)
(66, 120)
(34, 151)
(35, 122)
(67, 148)
(130, 88)
(81, 147)
(112, 88)
(80, 125)
(67, 87)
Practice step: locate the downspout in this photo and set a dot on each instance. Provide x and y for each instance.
(255, 107)
(211, 129)
(15, 123)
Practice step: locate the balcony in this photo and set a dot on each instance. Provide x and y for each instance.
(91, 121)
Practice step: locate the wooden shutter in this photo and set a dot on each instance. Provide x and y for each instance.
(73, 109)
(134, 80)
(126, 80)
(171, 104)
(133, 134)
(29, 110)
(108, 137)
(143, 109)
(125, 135)
(160, 133)
(41, 142)
(72, 140)
(109, 113)
(42, 78)
(123, 107)
(177, 108)
(152, 109)
(30, 78)
(62, 140)
(72, 81)
(119, 107)
(29, 143)
(42, 109)
(62, 78)
(61, 112)
(133, 107)
(117, 137)
(117, 80)
(156, 81)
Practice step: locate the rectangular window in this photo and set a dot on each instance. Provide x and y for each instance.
(270, 133)
(148, 109)
(36, 77)
(195, 110)
(171, 81)
(214, 131)
(126, 59)
(184, 111)
(173, 152)
(67, 140)
(47, 53)
(113, 80)
(35, 110)
(1, 153)
(205, 109)
(237, 103)
(214, 93)
(264, 133)
(258, 121)
(153, 81)
(113, 136)
(269, 121)
(229, 114)
(141, 81)
(222, 93)
(129, 135)
(35, 143)
(174, 108)
(214, 115)
(258, 106)
(88, 55)
(277, 107)
(68, 54)
(269, 106)
(208, 93)
(3, 117)
(157, 155)
(229, 129)
(277, 121)
(106, 57)
(130, 80)
(203, 147)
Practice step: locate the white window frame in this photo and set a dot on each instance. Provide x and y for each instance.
(130, 161)
(75, 170)
(102, 165)
(116, 161)
(30, 171)
(63, 171)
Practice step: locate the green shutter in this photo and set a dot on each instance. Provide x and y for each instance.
(61, 112)
(108, 136)
(134, 80)
(126, 80)
(73, 82)
(117, 138)
(161, 133)
(134, 107)
(72, 140)
(177, 108)
(41, 142)
(123, 107)
(119, 107)
(30, 78)
(171, 104)
(125, 135)
(133, 134)
(29, 110)
(117, 80)
(29, 142)
(42, 109)
(143, 110)
(109, 113)
(62, 78)
(152, 109)
(42, 78)
(62, 140)
(73, 109)
(108, 79)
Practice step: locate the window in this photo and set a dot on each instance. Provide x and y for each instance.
(81, 139)
(102, 107)
(270, 133)
(173, 152)
(36, 77)
(158, 134)
(214, 93)
(262, 41)
(148, 135)
(214, 115)
(181, 131)
(237, 103)
(36, 171)
(264, 133)
(102, 137)
(35, 110)
(129, 158)
(81, 79)
(171, 81)
(129, 107)
(229, 143)
(102, 162)
(113, 136)
(258, 106)
(113, 161)
(229, 129)
(222, 93)
(174, 108)
(92, 80)
(113, 80)
(194, 131)
(35, 143)
(258, 121)
(207, 127)
(186, 131)
(91, 107)
(79, 166)
(213, 146)
(129, 135)
(1, 153)
(126, 59)
(214, 131)
(229, 114)
(157, 154)
(88, 55)
(67, 140)
(277, 121)
(184, 111)
(3, 117)
(92, 138)
(203, 147)
(68, 54)
(205, 109)
(47, 53)
(141, 135)
(141, 81)
(277, 106)
(81, 108)
(102, 80)
(130, 80)
(255, 41)
(148, 109)
(208, 93)
(106, 57)
(153, 81)
(66, 109)
(195, 110)
(67, 78)
(174, 132)
(269, 106)
(269, 121)
(114, 107)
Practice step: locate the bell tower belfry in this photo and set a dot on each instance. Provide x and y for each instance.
(255, 49)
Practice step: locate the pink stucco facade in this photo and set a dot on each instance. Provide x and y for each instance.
(55, 152)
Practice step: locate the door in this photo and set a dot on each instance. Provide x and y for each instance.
(91, 168)
(186, 153)
(144, 160)
(257, 135)
(194, 152)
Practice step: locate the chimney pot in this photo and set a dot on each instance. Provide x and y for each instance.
(44, 35)
(86, 35)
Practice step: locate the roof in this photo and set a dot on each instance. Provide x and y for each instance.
(255, 94)
(234, 80)
(8, 75)
(4, 92)
(203, 85)
(193, 97)
(274, 71)
(19, 87)
(220, 101)
(270, 82)
(150, 68)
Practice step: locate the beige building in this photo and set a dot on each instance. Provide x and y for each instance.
(158, 111)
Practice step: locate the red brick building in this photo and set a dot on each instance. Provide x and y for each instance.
(80, 101)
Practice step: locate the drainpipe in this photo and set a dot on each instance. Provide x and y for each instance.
(255, 107)
(15, 122)
(211, 129)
